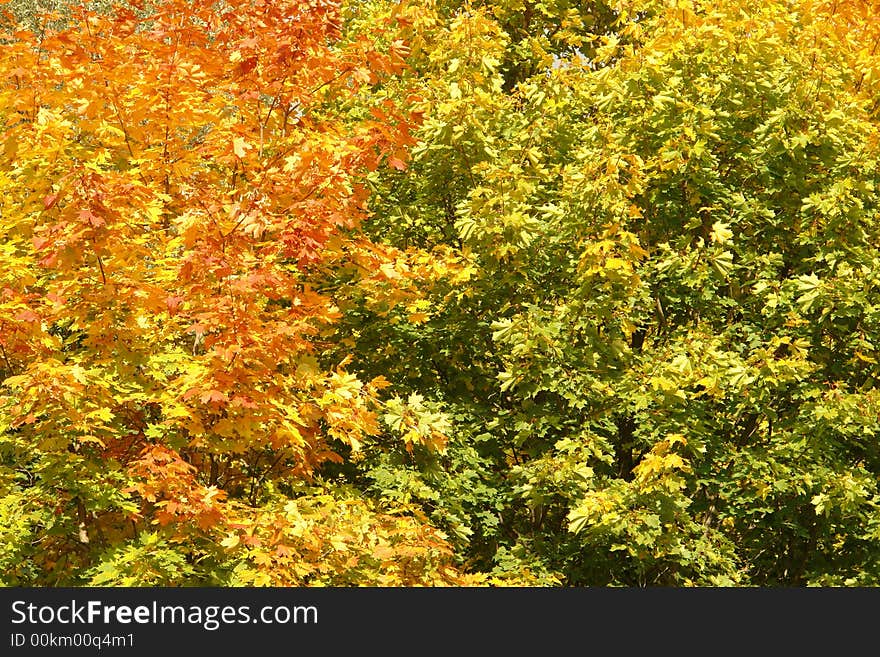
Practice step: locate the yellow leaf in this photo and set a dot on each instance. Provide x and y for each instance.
(240, 146)
(721, 233)
(230, 541)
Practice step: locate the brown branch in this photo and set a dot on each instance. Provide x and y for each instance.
(6, 357)
(101, 267)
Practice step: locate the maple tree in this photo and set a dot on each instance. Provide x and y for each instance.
(177, 180)
(658, 350)
(491, 292)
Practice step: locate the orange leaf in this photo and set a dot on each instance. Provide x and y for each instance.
(50, 200)
(212, 396)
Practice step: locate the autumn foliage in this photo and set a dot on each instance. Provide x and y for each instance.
(306, 292)
(177, 185)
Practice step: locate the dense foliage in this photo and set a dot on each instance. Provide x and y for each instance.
(385, 293)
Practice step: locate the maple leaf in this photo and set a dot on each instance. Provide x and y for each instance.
(173, 303)
(90, 218)
(214, 396)
(50, 200)
(240, 146)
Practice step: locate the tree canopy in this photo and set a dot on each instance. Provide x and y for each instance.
(307, 292)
